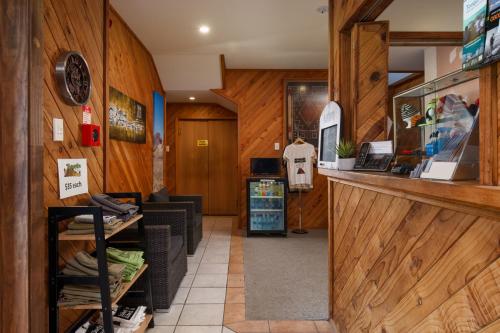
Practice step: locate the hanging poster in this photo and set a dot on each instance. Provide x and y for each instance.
(474, 33)
(158, 140)
(72, 177)
(127, 118)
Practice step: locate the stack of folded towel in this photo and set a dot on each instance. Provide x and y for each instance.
(132, 260)
(111, 206)
(83, 264)
(84, 224)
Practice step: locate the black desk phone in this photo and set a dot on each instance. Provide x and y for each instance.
(374, 156)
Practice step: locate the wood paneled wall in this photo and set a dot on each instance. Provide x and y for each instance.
(62, 30)
(187, 111)
(369, 86)
(259, 95)
(133, 72)
(79, 25)
(407, 266)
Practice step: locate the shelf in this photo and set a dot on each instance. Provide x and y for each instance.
(89, 237)
(459, 193)
(144, 324)
(265, 210)
(266, 197)
(125, 287)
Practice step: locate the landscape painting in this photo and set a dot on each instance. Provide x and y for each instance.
(127, 118)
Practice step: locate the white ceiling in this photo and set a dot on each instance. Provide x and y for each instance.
(251, 34)
(424, 15)
(259, 34)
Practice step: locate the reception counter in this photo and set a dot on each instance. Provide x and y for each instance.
(412, 255)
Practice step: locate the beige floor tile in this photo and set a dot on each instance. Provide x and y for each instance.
(292, 326)
(201, 314)
(234, 313)
(227, 330)
(206, 296)
(236, 281)
(210, 281)
(235, 295)
(250, 326)
(168, 318)
(180, 296)
(236, 269)
(213, 269)
(198, 329)
(162, 329)
(324, 326)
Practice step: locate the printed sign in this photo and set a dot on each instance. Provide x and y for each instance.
(474, 32)
(72, 177)
(87, 114)
(202, 143)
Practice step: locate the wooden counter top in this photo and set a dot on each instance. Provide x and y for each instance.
(468, 193)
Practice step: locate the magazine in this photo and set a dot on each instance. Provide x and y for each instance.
(474, 32)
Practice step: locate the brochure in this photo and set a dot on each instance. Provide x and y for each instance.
(474, 32)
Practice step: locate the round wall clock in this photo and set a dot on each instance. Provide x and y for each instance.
(73, 78)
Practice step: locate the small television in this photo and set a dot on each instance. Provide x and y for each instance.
(263, 166)
(329, 136)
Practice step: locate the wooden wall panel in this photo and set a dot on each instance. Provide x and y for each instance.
(133, 72)
(62, 22)
(259, 96)
(369, 75)
(409, 266)
(187, 111)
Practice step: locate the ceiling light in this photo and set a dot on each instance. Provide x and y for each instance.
(192, 98)
(204, 29)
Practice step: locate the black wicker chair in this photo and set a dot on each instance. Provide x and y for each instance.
(166, 246)
(192, 204)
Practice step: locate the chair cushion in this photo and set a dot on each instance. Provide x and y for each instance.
(160, 196)
(176, 243)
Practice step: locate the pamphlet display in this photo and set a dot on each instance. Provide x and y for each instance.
(474, 32)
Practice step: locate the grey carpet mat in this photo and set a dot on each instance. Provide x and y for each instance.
(287, 278)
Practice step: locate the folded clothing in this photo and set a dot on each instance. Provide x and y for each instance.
(89, 218)
(83, 264)
(112, 206)
(84, 224)
(129, 317)
(132, 260)
(90, 327)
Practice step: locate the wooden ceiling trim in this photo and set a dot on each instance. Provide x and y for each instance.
(426, 38)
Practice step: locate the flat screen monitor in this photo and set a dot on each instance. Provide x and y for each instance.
(328, 144)
(265, 166)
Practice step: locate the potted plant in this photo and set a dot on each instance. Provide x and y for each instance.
(346, 150)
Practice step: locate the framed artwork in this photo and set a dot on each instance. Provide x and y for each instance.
(158, 139)
(304, 102)
(127, 118)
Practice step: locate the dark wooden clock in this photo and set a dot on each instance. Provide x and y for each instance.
(73, 78)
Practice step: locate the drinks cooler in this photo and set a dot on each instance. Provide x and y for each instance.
(266, 206)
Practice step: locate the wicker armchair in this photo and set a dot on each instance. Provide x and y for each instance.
(192, 204)
(166, 242)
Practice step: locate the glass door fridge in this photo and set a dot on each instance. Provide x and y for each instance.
(266, 206)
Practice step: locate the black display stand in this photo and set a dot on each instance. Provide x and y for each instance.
(282, 211)
(57, 280)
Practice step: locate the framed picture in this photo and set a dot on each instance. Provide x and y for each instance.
(304, 102)
(158, 139)
(127, 118)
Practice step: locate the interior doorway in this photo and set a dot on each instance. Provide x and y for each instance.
(207, 163)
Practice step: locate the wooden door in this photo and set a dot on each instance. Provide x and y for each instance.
(192, 159)
(207, 163)
(369, 86)
(223, 167)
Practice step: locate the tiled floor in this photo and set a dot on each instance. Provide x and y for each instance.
(212, 295)
(198, 306)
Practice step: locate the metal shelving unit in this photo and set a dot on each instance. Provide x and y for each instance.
(102, 240)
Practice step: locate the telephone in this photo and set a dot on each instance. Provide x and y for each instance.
(374, 156)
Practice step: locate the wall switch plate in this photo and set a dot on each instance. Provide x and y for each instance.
(167, 149)
(276, 146)
(58, 129)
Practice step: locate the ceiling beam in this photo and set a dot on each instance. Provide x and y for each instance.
(426, 38)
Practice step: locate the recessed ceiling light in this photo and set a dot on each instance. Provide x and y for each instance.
(204, 29)
(192, 98)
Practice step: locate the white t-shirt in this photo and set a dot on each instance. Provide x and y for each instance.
(299, 160)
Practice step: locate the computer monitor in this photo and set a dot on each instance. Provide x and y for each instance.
(329, 136)
(265, 166)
